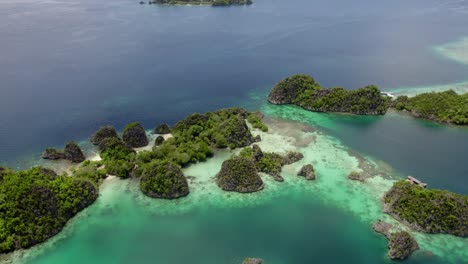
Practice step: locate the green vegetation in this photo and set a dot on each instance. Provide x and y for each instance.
(134, 135)
(195, 136)
(94, 171)
(117, 157)
(162, 129)
(400, 245)
(255, 119)
(238, 174)
(432, 211)
(103, 133)
(163, 179)
(269, 162)
(304, 91)
(203, 2)
(442, 107)
(36, 204)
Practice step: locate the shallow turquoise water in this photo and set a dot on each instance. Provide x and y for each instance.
(297, 221)
(70, 66)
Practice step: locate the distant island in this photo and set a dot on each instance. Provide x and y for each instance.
(302, 90)
(200, 2)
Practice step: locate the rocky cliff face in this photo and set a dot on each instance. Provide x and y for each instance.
(307, 171)
(162, 129)
(400, 244)
(73, 152)
(134, 135)
(103, 133)
(288, 90)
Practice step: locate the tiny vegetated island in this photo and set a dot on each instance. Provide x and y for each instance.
(200, 2)
(302, 90)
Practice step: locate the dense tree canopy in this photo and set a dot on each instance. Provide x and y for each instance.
(304, 91)
(443, 107)
(35, 204)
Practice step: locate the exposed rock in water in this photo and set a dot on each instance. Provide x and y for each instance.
(134, 135)
(292, 157)
(252, 261)
(159, 141)
(382, 228)
(356, 176)
(257, 153)
(73, 152)
(163, 180)
(400, 244)
(53, 154)
(103, 133)
(238, 174)
(257, 138)
(162, 129)
(307, 171)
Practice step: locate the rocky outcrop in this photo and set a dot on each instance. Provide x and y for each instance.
(292, 157)
(73, 152)
(103, 133)
(400, 244)
(162, 129)
(252, 261)
(236, 132)
(257, 138)
(134, 135)
(163, 180)
(307, 171)
(428, 210)
(288, 90)
(53, 154)
(159, 141)
(238, 174)
(303, 91)
(356, 176)
(382, 228)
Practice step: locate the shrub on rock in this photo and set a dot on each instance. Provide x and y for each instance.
(53, 154)
(238, 174)
(163, 180)
(134, 135)
(103, 133)
(162, 129)
(73, 152)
